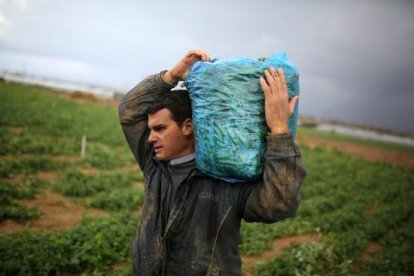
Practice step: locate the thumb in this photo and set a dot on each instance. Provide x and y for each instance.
(292, 103)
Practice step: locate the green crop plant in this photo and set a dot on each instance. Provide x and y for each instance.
(20, 106)
(30, 165)
(336, 194)
(313, 258)
(11, 208)
(91, 247)
(118, 200)
(26, 142)
(105, 157)
(77, 184)
(349, 202)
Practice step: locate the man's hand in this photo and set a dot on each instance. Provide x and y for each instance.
(180, 71)
(278, 107)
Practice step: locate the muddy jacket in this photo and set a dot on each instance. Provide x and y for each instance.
(201, 233)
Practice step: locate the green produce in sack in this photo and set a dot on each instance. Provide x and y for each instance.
(228, 114)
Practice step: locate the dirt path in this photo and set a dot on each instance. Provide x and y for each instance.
(21, 156)
(369, 252)
(48, 176)
(58, 213)
(392, 157)
(83, 97)
(277, 248)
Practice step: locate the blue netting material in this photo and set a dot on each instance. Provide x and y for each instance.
(228, 114)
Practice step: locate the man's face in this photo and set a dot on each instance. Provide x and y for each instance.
(169, 140)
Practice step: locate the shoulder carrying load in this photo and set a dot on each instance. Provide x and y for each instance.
(228, 114)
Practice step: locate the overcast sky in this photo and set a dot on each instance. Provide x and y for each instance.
(355, 58)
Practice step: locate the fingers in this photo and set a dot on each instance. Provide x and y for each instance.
(271, 80)
(199, 55)
(274, 85)
(279, 84)
(281, 74)
(278, 107)
(181, 69)
(283, 82)
(265, 87)
(276, 81)
(205, 56)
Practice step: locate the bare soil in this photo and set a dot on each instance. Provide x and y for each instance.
(15, 179)
(278, 246)
(48, 176)
(68, 158)
(128, 168)
(138, 185)
(83, 97)
(370, 209)
(17, 130)
(392, 157)
(369, 252)
(90, 171)
(62, 213)
(116, 267)
(372, 248)
(58, 213)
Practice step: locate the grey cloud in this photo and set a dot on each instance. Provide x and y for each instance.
(350, 54)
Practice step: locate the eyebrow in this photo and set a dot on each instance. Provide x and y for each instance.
(156, 126)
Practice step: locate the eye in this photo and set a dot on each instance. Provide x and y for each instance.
(158, 128)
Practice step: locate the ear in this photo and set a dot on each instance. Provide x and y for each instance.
(187, 127)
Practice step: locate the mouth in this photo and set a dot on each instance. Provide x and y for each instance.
(157, 149)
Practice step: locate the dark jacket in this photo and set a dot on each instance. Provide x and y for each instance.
(201, 233)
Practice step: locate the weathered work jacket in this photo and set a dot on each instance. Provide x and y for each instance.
(201, 233)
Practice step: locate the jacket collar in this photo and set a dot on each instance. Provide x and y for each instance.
(163, 166)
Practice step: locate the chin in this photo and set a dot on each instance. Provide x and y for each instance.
(161, 157)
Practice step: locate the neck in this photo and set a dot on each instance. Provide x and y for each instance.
(182, 159)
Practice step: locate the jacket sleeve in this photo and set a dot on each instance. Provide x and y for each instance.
(133, 116)
(276, 196)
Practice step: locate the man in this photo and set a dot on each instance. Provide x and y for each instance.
(190, 222)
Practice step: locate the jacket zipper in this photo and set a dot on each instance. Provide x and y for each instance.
(177, 210)
(171, 219)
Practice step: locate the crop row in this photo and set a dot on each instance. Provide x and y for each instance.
(10, 194)
(351, 202)
(91, 247)
(29, 107)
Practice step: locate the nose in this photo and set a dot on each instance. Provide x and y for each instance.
(151, 138)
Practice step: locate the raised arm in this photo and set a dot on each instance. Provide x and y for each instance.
(134, 105)
(276, 196)
(134, 119)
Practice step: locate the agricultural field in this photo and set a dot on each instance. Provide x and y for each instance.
(63, 214)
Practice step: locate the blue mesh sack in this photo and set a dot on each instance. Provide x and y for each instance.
(228, 114)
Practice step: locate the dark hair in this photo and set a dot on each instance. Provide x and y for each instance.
(177, 102)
